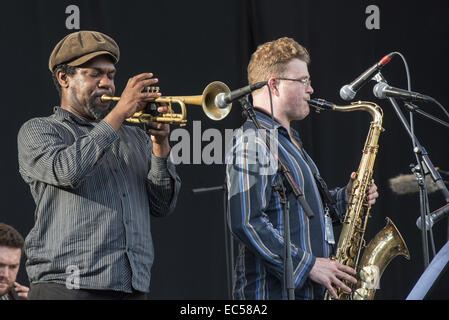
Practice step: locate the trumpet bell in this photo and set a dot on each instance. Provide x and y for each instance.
(211, 110)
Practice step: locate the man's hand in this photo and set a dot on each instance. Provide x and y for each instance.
(372, 191)
(159, 133)
(132, 99)
(330, 273)
(21, 291)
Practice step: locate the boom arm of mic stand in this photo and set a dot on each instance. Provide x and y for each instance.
(202, 190)
(415, 109)
(229, 244)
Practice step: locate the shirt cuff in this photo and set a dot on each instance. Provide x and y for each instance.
(341, 201)
(159, 167)
(303, 271)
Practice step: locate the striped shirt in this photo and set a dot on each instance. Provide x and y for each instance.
(94, 190)
(256, 218)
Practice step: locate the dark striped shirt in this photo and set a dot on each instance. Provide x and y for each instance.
(256, 219)
(94, 190)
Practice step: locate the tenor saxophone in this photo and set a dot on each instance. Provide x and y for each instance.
(388, 243)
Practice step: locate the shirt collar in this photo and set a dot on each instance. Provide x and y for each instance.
(266, 122)
(62, 114)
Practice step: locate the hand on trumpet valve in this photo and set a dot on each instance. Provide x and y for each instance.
(151, 109)
(134, 98)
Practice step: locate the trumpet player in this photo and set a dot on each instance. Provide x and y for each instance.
(95, 182)
(256, 213)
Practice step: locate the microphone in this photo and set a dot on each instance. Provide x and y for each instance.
(406, 184)
(348, 91)
(383, 90)
(223, 99)
(433, 217)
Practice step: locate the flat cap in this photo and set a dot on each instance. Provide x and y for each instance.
(79, 47)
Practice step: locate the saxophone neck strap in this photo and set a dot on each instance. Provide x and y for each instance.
(321, 184)
(289, 184)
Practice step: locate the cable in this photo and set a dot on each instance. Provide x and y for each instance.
(409, 87)
(440, 105)
(271, 106)
(407, 71)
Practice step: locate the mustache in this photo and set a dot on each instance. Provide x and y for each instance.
(3, 279)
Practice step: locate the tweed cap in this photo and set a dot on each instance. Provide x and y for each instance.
(79, 47)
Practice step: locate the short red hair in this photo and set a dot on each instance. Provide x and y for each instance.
(271, 58)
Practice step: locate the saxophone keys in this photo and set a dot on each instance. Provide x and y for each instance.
(352, 253)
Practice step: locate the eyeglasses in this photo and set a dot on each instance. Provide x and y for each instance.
(306, 82)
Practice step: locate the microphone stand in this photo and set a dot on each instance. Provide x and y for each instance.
(423, 160)
(229, 243)
(283, 185)
(415, 109)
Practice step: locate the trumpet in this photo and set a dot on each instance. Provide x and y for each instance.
(206, 100)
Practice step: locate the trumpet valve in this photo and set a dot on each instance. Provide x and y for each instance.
(151, 89)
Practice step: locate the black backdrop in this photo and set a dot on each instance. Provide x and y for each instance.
(188, 44)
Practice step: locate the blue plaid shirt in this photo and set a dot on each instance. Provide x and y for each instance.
(94, 190)
(256, 218)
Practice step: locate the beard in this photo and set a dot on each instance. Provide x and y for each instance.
(8, 286)
(98, 113)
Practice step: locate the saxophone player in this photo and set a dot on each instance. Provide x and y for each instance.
(255, 212)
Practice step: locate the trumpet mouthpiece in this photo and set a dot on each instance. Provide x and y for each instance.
(105, 98)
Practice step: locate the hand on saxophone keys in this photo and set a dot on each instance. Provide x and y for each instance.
(371, 195)
(331, 274)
